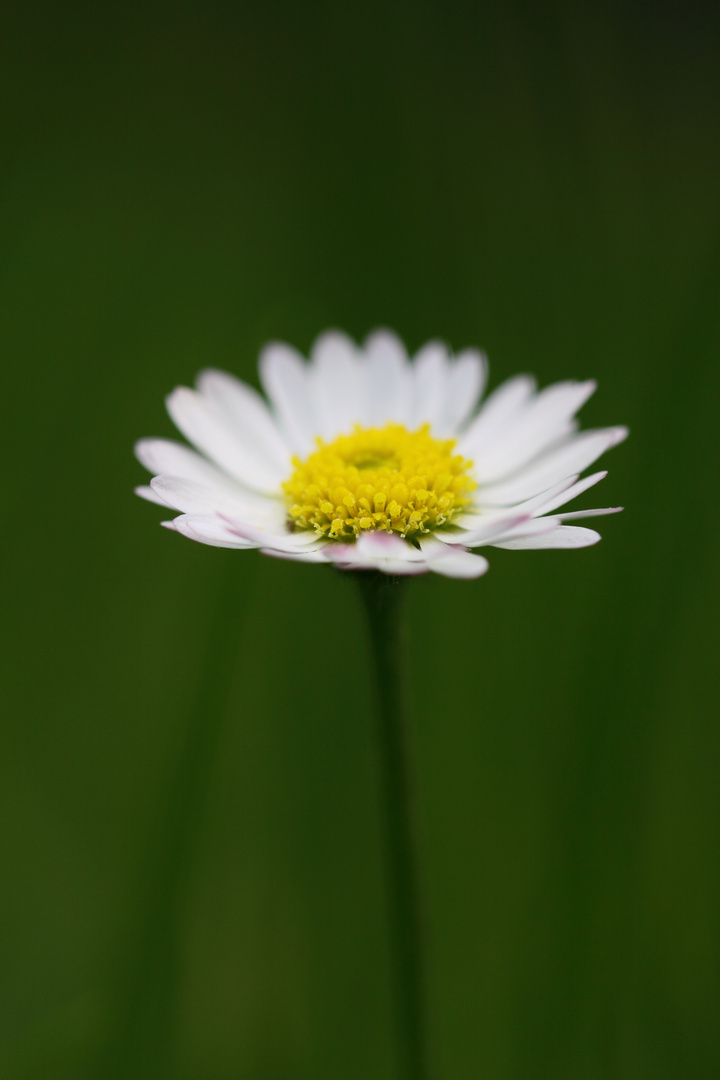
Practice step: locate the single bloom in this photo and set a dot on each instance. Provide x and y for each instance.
(367, 459)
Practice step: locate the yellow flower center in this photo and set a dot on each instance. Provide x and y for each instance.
(385, 478)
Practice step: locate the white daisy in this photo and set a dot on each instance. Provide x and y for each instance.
(366, 459)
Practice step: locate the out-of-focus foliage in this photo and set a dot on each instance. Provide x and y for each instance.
(179, 184)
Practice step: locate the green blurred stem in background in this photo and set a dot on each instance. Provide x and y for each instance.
(382, 596)
(148, 1029)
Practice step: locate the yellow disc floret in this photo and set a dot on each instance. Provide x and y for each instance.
(385, 478)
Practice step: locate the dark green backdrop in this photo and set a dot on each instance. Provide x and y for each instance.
(179, 184)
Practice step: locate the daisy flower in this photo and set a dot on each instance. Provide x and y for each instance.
(369, 460)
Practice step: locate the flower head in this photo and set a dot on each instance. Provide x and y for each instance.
(366, 459)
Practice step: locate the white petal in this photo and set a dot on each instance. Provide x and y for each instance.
(317, 556)
(532, 527)
(571, 492)
(387, 545)
(430, 376)
(394, 567)
(576, 514)
(209, 529)
(557, 495)
(388, 379)
(192, 497)
(337, 385)
(564, 536)
(460, 564)
(146, 492)
(277, 540)
(498, 411)
(571, 457)
(391, 554)
(175, 462)
(545, 420)
(166, 456)
(483, 528)
(477, 517)
(249, 411)
(285, 378)
(210, 429)
(563, 492)
(466, 384)
(382, 551)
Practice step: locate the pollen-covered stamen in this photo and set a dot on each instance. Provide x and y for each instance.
(379, 478)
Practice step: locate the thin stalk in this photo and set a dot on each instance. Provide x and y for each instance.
(150, 1008)
(382, 595)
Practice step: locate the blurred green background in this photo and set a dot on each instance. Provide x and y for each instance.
(181, 183)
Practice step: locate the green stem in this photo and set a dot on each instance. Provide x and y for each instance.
(382, 595)
(149, 1013)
